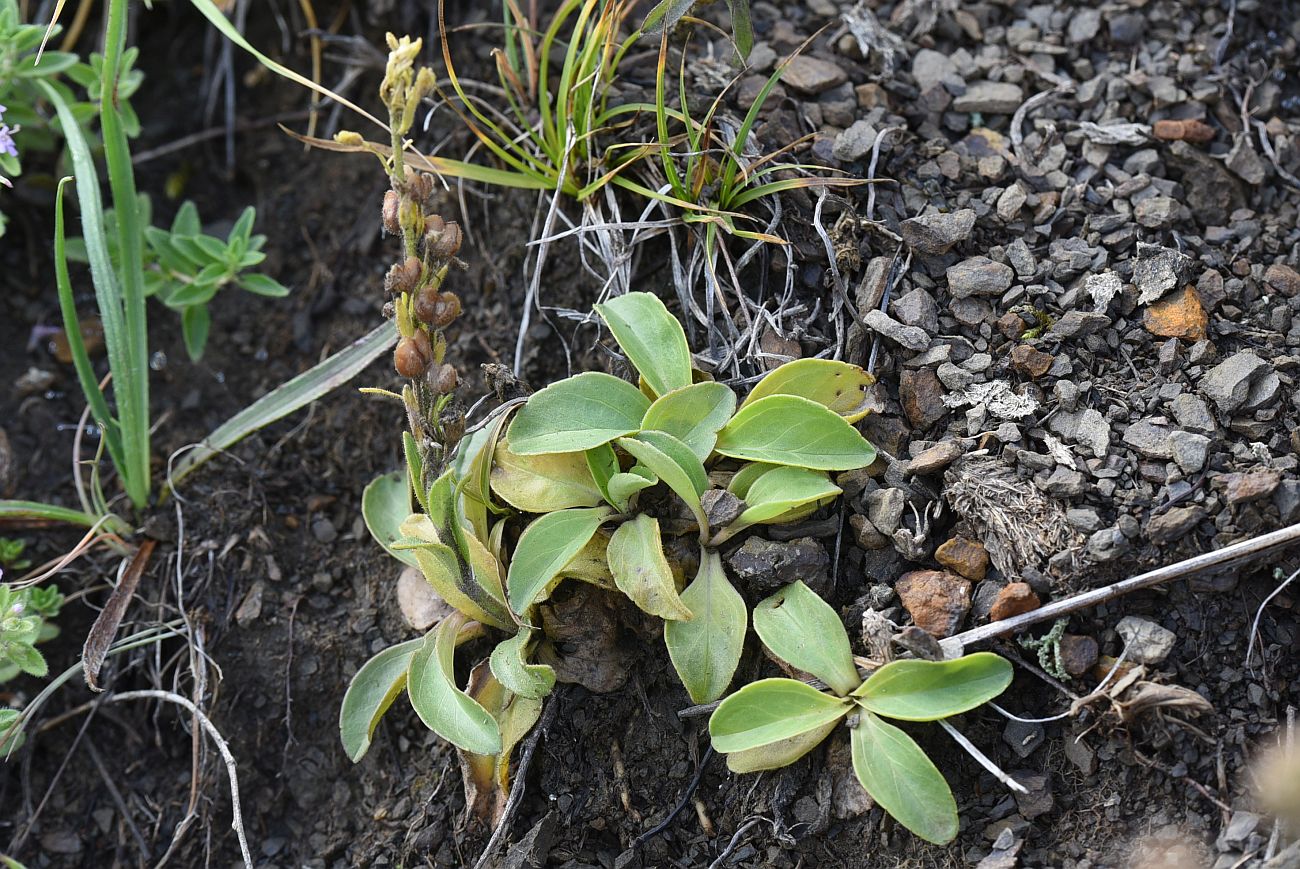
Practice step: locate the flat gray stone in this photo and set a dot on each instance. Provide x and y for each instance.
(990, 97)
(1189, 450)
(938, 231)
(1149, 439)
(910, 337)
(812, 75)
(978, 276)
(1147, 642)
(1228, 384)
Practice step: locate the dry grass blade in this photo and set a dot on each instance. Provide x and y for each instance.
(105, 628)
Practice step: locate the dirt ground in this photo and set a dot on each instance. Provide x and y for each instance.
(266, 554)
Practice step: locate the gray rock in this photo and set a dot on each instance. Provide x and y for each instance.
(1076, 323)
(1193, 413)
(990, 97)
(1147, 642)
(937, 232)
(1085, 519)
(1287, 500)
(1263, 391)
(954, 377)
(1021, 258)
(1107, 545)
(1149, 439)
(1157, 212)
(1084, 25)
(1011, 201)
(1228, 384)
(935, 459)
(1085, 427)
(812, 75)
(1157, 270)
(1244, 162)
(910, 337)
(1240, 827)
(1174, 524)
(1127, 29)
(766, 565)
(885, 509)
(1023, 738)
(1064, 483)
(918, 309)
(1039, 799)
(855, 142)
(1189, 450)
(932, 68)
(978, 276)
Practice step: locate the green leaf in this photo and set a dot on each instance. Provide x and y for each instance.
(385, 504)
(693, 415)
(543, 483)
(371, 691)
(577, 413)
(779, 754)
(673, 462)
(186, 222)
(602, 463)
(839, 386)
(624, 485)
(652, 339)
(636, 559)
(448, 573)
(804, 631)
(546, 545)
(789, 430)
(782, 494)
(243, 227)
(771, 710)
(915, 690)
(512, 670)
(263, 286)
(28, 659)
(195, 323)
(444, 708)
(706, 650)
(745, 477)
(742, 28)
(902, 780)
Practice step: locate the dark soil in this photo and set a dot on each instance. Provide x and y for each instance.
(267, 555)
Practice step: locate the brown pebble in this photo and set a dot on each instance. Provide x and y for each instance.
(937, 600)
(964, 556)
(1030, 361)
(1078, 653)
(1181, 315)
(1185, 131)
(1283, 278)
(1013, 600)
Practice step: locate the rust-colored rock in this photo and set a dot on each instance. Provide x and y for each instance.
(921, 394)
(1180, 315)
(1013, 600)
(92, 336)
(1186, 131)
(1078, 653)
(964, 556)
(1010, 325)
(1242, 488)
(1030, 361)
(936, 599)
(1283, 278)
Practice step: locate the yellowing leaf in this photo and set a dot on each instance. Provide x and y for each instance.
(839, 386)
(546, 546)
(444, 708)
(804, 631)
(543, 483)
(770, 711)
(636, 559)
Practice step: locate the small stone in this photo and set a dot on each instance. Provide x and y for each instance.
(1013, 600)
(721, 507)
(1146, 641)
(917, 309)
(1192, 413)
(1085, 519)
(1083, 757)
(1023, 737)
(885, 509)
(34, 380)
(421, 606)
(1063, 483)
(1038, 800)
(1011, 201)
(1157, 270)
(978, 276)
(1244, 162)
(1157, 212)
(1228, 384)
(1189, 130)
(990, 98)
(1074, 324)
(921, 395)
(1030, 362)
(911, 337)
(1149, 439)
(324, 531)
(767, 565)
(812, 75)
(1084, 25)
(934, 459)
(1127, 28)
(1189, 450)
(1107, 545)
(1248, 486)
(937, 232)
(855, 142)
(1174, 524)
(964, 556)
(937, 600)
(1180, 315)
(867, 535)
(1283, 278)
(1078, 654)
(932, 68)
(1239, 829)
(251, 607)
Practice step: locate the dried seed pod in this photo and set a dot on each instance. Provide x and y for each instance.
(452, 422)
(413, 354)
(391, 203)
(445, 310)
(403, 277)
(419, 185)
(446, 243)
(444, 380)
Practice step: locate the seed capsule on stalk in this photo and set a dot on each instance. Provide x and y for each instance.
(444, 380)
(445, 243)
(391, 202)
(419, 185)
(435, 308)
(413, 355)
(403, 277)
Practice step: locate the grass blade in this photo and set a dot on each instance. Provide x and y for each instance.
(291, 395)
(37, 511)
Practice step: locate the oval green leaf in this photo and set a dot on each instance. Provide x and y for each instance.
(543, 483)
(636, 559)
(805, 631)
(915, 690)
(653, 340)
(512, 670)
(673, 462)
(779, 754)
(902, 780)
(623, 485)
(576, 414)
(371, 691)
(746, 476)
(789, 430)
(838, 386)
(782, 494)
(769, 711)
(693, 415)
(385, 504)
(706, 650)
(545, 547)
(602, 464)
(444, 708)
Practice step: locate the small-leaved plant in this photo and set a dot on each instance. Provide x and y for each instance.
(581, 483)
(774, 722)
(26, 618)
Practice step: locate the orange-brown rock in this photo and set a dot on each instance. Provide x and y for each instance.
(964, 556)
(1186, 131)
(1013, 600)
(1180, 315)
(1078, 653)
(936, 599)
(1030, 361)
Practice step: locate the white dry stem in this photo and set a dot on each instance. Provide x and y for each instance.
(238, 816)
(1259, 613)
(982, 758)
